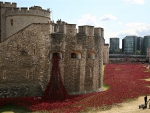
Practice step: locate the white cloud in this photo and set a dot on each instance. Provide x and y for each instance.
(134, 25)
(138, 29)
(88, 20)
(120, 23)
(135, 1)
(108, 17)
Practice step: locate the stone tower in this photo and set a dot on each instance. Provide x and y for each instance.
(81, 56)
(14, 19)
(29, 40)
(3, 7)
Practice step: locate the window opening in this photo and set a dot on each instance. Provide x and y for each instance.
(76, 55)
(91, 55)
(73, 55)
(34, 52)
(11, 22)
(56, 54)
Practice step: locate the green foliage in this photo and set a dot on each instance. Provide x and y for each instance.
(138, 52)
(10, 108)
(105, 86)
(117, 51)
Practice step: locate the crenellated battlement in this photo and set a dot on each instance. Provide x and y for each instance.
(34, 11)
(8, 4)
(88, 30)
(98, 31)
(66, 28)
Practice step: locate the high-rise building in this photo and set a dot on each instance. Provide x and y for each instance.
(114, 45)
(122, 45)
(130, 44)
(146, 44)
(140, 44)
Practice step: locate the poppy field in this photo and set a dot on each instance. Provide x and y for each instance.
(126, 81)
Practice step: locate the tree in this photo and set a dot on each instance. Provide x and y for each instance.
(138, 52)
(117, 51)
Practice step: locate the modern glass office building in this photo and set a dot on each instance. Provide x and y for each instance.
(146, 44)
(130, 45)
(114, 46)
(140, 44)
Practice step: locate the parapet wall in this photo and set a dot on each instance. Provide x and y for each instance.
(88, 30)
(98, 31)
(31, 11)
(63, 27)
(71, 29)
(19, 18)
(8, 4)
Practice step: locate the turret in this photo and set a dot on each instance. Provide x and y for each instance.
(87, 30)
(8, 4)
(70, 29)
(61, 26)
(99, 31)
(3, 7)
(19, 18)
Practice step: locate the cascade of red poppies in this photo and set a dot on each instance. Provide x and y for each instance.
(55, 89)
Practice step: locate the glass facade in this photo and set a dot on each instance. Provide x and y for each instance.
(140, 44)
(130, 45)
(146, 44)
(114, 45)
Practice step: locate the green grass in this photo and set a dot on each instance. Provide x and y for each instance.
(105, 86)
(10, 108)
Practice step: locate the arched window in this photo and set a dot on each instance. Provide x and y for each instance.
(56, 54)
(75, 55)
(91, 55)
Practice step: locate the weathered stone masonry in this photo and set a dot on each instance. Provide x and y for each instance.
(26, 55)
(83, 73)
(24, 62)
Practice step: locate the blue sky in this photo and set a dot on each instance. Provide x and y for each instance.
(119, 18)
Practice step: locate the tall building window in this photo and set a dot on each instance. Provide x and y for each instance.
(11, 22)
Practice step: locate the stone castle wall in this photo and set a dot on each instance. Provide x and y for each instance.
(99, 33)
(81, 74)
(14, 19)
(27, 50)
(8, 4)
(24, 66)
(36, 11)
(106, 54)
(24, 17)
(26, 60)
(3, 8)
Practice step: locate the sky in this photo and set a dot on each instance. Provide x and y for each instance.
(119, 18)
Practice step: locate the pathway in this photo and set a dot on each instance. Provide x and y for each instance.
(129, 107)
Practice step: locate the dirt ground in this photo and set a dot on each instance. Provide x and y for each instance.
(125, 107)
(128, 107)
